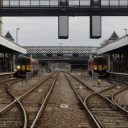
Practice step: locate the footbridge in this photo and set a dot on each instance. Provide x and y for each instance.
(52, 56)
(61, 53)
(63, 7)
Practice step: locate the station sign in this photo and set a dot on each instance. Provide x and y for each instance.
(95, 27)
(63, 27)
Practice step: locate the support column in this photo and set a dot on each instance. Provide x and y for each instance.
(13, 63)
(109, 63)
(4, 62)
(1, 25)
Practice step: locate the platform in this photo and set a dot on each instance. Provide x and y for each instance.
(6, 76)
(122, 77)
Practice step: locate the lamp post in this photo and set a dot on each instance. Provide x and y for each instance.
(126, 31)
(17, 35)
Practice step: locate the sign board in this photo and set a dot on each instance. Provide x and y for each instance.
(95, 27)
(63, 27)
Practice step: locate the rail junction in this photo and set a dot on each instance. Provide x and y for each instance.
(42, 101)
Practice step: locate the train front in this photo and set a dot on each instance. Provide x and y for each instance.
(23, 66)
(100, 66)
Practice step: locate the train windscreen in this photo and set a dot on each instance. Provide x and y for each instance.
(23, 61)
(100, 61)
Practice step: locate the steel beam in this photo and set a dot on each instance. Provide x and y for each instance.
(69, 11)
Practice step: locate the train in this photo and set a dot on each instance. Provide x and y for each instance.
(25, 65)
(97, 65)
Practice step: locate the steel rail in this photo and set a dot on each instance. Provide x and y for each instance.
(21, 106)
(44, 103)
(85, 102)
(121, 108)
(8, 107)
(85, 106)
(86, 84)
(113, 95)
(113, 103)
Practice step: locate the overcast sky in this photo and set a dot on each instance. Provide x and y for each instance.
(43, 31)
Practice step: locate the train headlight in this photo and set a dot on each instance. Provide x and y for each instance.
(95, 67)
(18, 67)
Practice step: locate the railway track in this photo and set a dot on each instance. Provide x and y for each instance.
(121, 95)
(16, 105)
(63, 109)
(5, 98)
(35, 102)
(82, 92)
(105, 111)
(14, 116)
(85, 78)
(36, 106)
(114, 90)
(117, 93)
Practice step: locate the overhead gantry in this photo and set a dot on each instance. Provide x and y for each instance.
(65, 8)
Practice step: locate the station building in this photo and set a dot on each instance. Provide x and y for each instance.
(8, 51)
(116, 49)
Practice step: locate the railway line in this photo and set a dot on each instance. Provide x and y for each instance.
(5, 98)
(85, 78)
(50, 101)
(63, 108)
(121, 95)
(14, 116)
(116, 88)
(105, 111)
(112, 89)
(34, 103)
(13, 106)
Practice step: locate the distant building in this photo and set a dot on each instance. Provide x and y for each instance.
(111, 39)
(9, 36)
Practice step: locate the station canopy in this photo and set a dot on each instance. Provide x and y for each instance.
(116, 44)
(8, 46)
